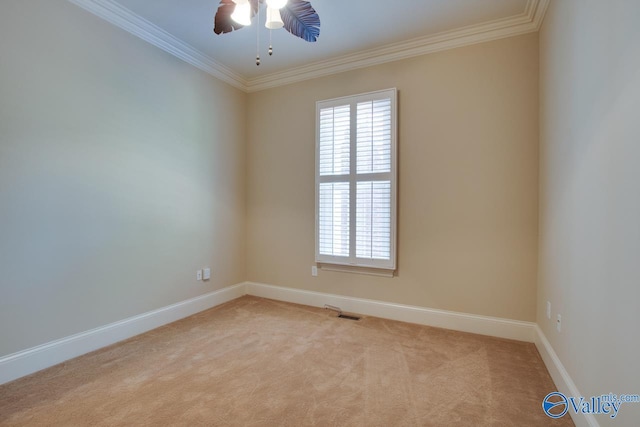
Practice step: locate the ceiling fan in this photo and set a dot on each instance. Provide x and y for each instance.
(298, 17)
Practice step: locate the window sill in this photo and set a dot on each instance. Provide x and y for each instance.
(357, 270)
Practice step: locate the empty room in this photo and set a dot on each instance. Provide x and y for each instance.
(319, 213)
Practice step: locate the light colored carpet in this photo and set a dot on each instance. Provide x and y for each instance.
(257, 362)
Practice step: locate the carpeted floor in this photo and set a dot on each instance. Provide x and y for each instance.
(257, 362)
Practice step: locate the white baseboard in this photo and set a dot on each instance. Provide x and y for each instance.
(28, 361)
(561, 377)
(485, 325)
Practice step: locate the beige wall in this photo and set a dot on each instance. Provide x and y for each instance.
(123, 170)
(121, 173)
(468, 177)
(590, 194)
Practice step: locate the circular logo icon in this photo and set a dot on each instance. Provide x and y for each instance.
(555, 405)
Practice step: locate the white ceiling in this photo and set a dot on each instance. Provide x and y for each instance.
(349, 27)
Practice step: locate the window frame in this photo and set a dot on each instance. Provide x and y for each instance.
(352, 263)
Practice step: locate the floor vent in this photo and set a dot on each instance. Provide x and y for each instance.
(340, 313)
(346, 316)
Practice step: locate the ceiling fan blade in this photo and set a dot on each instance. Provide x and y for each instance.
(301, 19)
(223, 23)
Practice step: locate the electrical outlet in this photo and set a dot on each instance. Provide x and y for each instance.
(559, 323)
(548, 310)
(207, 273)
(314, 271)
(199, 275)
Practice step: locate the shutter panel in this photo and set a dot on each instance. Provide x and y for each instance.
(374, 136)
(335, 136)
(373, 220)
(373, 198)
(333, 217)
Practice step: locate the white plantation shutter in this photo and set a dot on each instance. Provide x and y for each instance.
(356, 180)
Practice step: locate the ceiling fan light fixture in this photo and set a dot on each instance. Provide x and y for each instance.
(242, 13)
(277, 4)
(274, 20)
(298, 17)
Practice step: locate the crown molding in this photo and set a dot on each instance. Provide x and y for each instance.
(528, 21)
(111, 11)
(118, 15)
(540, 12)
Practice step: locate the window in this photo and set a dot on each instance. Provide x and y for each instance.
(356, 180)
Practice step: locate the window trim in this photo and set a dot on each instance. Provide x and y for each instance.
(358, 264)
